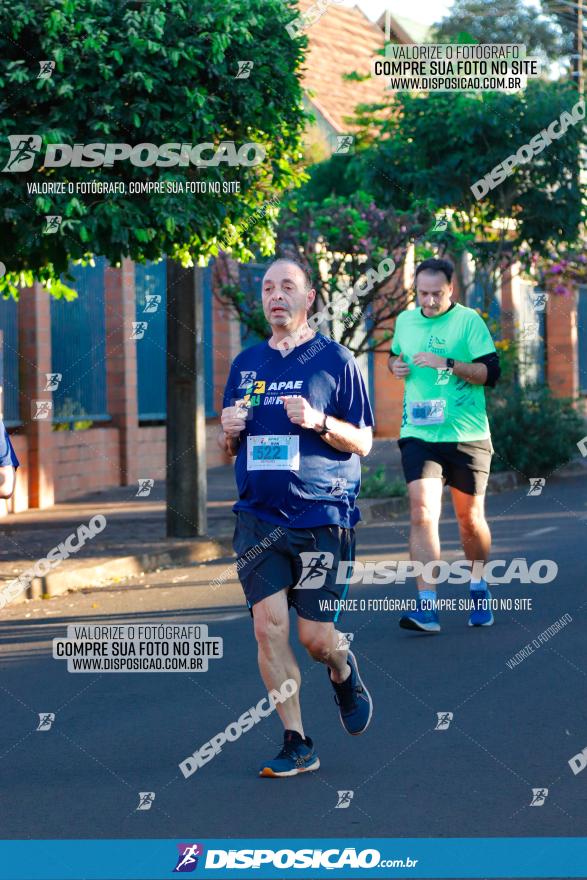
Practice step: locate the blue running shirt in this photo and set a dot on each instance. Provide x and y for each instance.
(318, 486)
(7, 454)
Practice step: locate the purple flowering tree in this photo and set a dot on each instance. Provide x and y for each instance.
(557, 272)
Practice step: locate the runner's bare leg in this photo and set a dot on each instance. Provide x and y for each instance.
(276, 658)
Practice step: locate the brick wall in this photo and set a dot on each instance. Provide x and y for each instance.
(389, 391)
(215, 455)
(227, 342)
(121, 364)
(150, 450)
(85, 461)
(34, 341)
(458, 295)
(20, 498)
(562, 367)
(510, 300)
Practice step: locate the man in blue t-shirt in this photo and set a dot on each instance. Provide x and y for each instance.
(297, 417)
(8, 464)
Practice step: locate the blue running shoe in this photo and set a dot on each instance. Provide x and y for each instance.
(482, 615)
(420, 620)
(296, 756)
(354, 702)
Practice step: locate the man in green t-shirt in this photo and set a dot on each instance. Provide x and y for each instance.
(445, 354)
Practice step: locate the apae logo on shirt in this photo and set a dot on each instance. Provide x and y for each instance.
(257, 388)
(254, 390)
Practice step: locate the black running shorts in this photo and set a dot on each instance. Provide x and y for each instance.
(465, 466)
(305, 561)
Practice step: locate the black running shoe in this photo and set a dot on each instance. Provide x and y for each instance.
(354, 701)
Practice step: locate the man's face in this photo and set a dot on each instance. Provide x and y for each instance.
(434, 293)
(285, 298)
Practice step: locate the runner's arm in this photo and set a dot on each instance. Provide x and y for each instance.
(490, 371)
(491, 361)
(232, 423)
(7, 481)
(397, 366)
(341, 435)
(475, 373)
(484, 369)
(229, 445)
(348, 438)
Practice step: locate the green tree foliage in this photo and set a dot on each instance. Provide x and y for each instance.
(431, 148)
(156, 71)
(501, 21)
(532, 431)
(436, 146)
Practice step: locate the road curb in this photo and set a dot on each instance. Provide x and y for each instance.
(91, 575)
(374, 510)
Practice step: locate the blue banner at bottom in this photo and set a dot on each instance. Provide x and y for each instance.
(275, 859)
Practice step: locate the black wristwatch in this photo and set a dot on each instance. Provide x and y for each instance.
(324, 429)
(450, 364)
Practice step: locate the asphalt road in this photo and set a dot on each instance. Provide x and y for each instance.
(115, 735)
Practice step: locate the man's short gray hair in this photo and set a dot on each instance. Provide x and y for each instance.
(294, 262)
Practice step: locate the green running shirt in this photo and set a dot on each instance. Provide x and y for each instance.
(439, 407)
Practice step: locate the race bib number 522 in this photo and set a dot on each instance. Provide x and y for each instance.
(275, 452)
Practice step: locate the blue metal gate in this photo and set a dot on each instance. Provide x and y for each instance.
(9, 327)
(78, 345)
(151, 307)
(476, 295)
(250, 278)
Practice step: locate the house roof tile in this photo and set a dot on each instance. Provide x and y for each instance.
(343, 40)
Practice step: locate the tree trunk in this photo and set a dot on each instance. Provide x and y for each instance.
(186, 425)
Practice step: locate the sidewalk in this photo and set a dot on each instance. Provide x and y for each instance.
(134, 539)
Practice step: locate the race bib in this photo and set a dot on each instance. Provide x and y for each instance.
(277, 452)
(427, 412)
